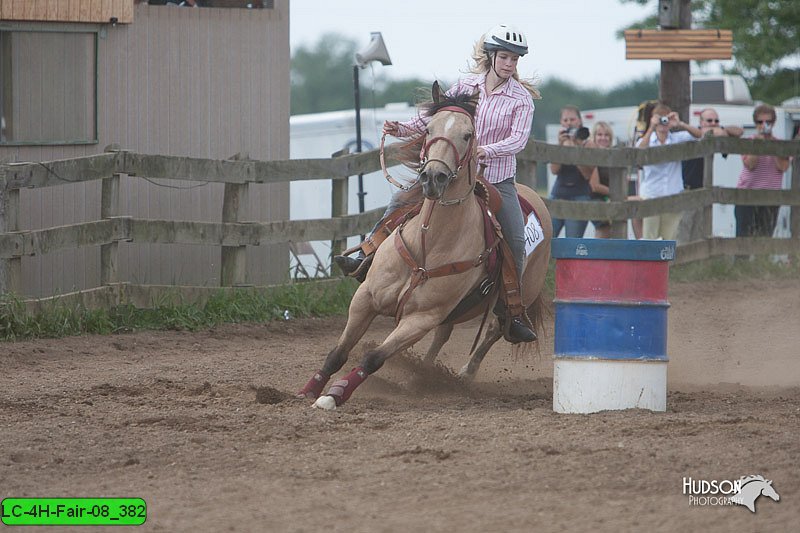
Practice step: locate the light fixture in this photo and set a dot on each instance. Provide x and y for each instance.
(374, 51)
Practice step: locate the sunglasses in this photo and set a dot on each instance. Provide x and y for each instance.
(711, 120)
(770, 122)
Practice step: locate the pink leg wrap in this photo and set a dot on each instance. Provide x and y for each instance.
(343, 388)
(314, 387)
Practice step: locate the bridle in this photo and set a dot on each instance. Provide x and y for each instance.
(420, 272)
(461, 160)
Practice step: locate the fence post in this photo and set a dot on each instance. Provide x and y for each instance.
(109, 207)
(233, 265)
(706, 220)
(339, 194)
(794, 214)
(618, 192)
(10, 269)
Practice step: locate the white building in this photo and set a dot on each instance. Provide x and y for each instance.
(320, 135)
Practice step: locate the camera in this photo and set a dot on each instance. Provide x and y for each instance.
(767, 130)
(664, 120)
(580, 134)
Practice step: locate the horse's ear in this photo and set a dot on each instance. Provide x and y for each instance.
(436, 92)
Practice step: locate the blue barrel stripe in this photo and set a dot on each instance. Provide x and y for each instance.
(618, 332)
(615, 249)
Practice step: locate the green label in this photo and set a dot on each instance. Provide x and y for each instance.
(73, 511)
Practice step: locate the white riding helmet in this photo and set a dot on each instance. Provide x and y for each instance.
(505, 37)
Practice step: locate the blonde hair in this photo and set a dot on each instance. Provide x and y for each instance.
(482, 63)
(606, 126)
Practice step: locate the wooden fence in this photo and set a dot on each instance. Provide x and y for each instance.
(233, 234)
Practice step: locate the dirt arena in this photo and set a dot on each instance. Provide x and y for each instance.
(201, 425)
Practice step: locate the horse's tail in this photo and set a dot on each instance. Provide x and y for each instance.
(537, 312)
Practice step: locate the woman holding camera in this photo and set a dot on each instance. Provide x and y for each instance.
(760, 172)
(663, 179)
(572, 181)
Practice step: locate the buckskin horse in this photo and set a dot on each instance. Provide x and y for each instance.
(434, 260)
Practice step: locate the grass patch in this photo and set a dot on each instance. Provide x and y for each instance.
(736, 268)
(299, 300)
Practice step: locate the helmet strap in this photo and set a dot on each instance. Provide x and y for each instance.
(492, 60)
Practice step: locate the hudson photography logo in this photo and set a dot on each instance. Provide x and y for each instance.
(743, 491)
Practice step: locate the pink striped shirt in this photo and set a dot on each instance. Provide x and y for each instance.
(502, 123)
(766, 174)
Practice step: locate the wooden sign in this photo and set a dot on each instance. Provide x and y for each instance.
(102, 11)
(678, 45)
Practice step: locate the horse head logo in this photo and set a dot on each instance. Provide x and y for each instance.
(751, 488)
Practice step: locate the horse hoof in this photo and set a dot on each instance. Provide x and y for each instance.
(325, 402)
(465, 374)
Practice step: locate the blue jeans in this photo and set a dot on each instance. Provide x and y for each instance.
(574, 228)
(512, 221)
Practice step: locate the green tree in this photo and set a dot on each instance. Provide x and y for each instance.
(322, 79)
(766, 40)
(322, 75)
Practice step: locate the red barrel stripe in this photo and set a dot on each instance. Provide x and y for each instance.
(612, 280)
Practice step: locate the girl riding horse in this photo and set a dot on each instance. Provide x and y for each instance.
(502, 126)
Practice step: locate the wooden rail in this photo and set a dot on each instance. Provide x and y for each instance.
(233, 234)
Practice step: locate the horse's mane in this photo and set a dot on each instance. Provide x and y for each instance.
(748, 479)
(462, 100)
(408, 152)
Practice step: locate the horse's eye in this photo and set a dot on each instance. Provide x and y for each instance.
(468, 136)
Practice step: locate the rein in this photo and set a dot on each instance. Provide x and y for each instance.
(386, 174)
(424, 160)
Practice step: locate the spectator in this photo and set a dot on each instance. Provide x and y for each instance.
(663, 179)
(602, 137)
(709, 125)
(760, 172)
(572, 182)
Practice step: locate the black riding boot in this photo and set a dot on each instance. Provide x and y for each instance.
(348, 265)
(354, 267)
(518, 331)
(514, 328)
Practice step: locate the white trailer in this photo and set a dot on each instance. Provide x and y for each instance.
(320, 135)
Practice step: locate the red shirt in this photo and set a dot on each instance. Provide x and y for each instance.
(766, 175)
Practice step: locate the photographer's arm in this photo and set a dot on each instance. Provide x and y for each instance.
(594, 183)
(694, 131)
(733, 131)
(563, 140)
(644, 142)
(782, 163)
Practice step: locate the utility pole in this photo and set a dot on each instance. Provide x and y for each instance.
(675, 86)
